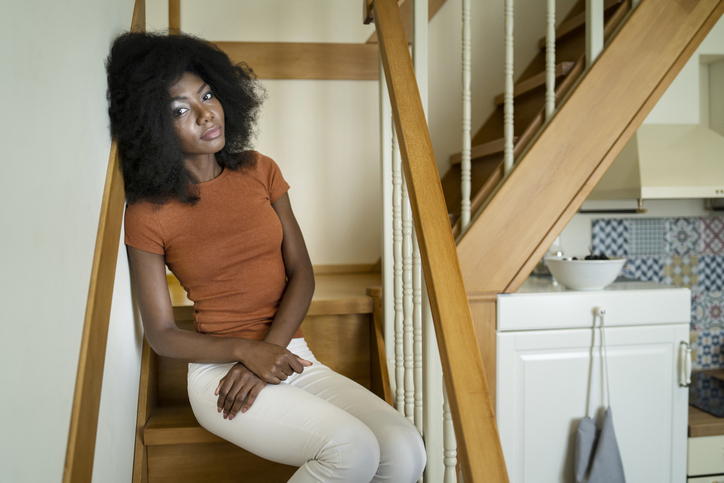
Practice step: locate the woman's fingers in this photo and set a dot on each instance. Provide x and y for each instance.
(227, 392)
(235, 404)
(298, 364)
(252, 396)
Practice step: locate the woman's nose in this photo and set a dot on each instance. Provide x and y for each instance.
(204, 115)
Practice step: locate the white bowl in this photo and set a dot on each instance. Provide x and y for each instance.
(584, 274)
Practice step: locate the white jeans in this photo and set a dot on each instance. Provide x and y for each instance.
(331, 427)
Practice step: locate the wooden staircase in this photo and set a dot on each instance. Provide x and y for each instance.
(529, 92)
(340, 329)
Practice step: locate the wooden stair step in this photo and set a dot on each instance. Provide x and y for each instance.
(171, 425)
(536, 81)
(576, 22)
(482, 150)
(179, 449)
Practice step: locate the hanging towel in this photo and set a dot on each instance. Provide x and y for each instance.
(597, 458)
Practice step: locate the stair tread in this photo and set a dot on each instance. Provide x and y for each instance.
(335, 293)
(175, 425)
(576, 22)
(481, 150)
(522, 87)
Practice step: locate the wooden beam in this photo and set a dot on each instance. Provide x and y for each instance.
(406, 11)
(472, 412)
(368, 13)
(174, 17)
(290, 60)
(564, 164)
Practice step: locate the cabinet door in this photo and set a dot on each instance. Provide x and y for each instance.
(542, 388)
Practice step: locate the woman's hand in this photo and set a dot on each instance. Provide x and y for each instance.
(239, 386)
(271, 363)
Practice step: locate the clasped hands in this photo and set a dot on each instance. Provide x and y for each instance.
(263, 363)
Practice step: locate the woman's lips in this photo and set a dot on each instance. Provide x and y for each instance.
(212, 133)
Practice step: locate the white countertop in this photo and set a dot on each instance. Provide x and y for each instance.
(541, 304)
(545, 285)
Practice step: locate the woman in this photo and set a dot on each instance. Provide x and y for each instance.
(219, 216)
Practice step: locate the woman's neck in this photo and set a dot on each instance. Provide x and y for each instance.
(204, 167)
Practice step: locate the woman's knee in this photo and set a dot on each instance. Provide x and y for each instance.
(402, 455)
(352, 455)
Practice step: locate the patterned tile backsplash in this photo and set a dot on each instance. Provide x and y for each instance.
(685, 252)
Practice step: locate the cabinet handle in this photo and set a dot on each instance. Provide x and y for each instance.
(685, 353)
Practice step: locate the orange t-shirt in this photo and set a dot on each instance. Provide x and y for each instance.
(225, 249)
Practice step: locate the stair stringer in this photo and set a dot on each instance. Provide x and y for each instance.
(549, 184)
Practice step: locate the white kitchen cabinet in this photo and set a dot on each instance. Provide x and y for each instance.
(543, 375)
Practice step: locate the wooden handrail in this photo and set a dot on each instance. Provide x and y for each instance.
(473, 417)
(87, 397)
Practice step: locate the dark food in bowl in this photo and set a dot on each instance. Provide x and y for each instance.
(593, 257)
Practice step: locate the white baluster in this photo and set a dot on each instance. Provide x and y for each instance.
(551, 60)
(397, 249)
(467, 114)
(388, 260)
(450, 445)
(508, 94)
(407, 303)
(594, 30)
(432, 410)
(417, 330)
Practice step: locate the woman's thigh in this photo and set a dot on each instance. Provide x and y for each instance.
(290, 426)
(402, 452)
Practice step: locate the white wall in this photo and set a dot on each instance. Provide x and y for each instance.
(680, 103)
(54, 134)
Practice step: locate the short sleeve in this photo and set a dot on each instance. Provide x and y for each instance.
(275, 182)
(143, 230)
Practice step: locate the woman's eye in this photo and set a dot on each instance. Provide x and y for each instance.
(207, 96)
(179, 111)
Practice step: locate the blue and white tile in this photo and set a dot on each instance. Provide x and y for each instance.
(707, 348)
(707, 310)
(611, 237)
(646, 236)
(650, 269)
(711, 272)
(682, 236)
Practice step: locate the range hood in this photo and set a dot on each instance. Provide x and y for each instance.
(666, 161)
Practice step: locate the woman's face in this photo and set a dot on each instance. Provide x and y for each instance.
(197, 116)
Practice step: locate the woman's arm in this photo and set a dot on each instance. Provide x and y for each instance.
(267, 360)
(300, 285)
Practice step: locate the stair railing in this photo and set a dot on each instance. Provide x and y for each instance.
(594, 46)
(476, 438)
(87, 397)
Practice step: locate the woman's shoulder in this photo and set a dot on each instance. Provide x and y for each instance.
(258, 164)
